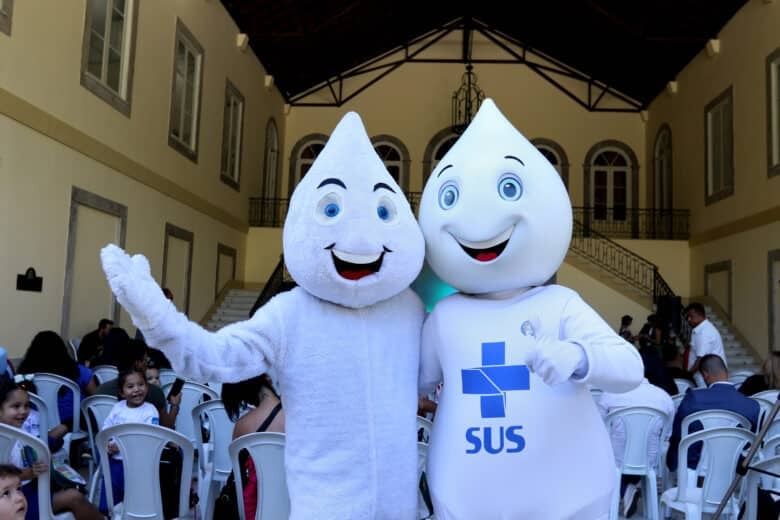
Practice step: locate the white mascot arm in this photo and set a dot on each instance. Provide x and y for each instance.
(430, 367)
(587, 351)
(234, 353)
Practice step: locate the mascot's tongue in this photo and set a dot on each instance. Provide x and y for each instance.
(355, 274)
(487, 256)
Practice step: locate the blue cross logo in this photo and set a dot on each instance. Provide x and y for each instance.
(493, 379)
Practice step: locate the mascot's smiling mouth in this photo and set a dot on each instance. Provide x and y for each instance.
(487, 250)
(353, 266)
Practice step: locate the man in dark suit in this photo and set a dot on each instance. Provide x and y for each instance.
(719, 395)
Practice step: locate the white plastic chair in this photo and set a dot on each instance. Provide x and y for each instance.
(755, 480)
(213, 464)
(192, 394)
(721, 451)
(714, 419)
(638, 422)
(95, 408)
(769, 395)
(770, 447)
(765, 407)
(167, 377)
(8, 438)
(737, 378)
(43, 413)
(425, 425)
(423, 512)
(677, 399)
(48, 386)
(774, 429)
(267, 452)
(141, 446)
(73, 347)
(682, 385)
(105, 373)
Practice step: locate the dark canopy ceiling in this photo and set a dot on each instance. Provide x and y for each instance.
(633, 46)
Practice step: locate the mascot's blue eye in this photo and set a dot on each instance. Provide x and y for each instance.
(510, 188)
(448, 196)
(383, 212)
(332, 209)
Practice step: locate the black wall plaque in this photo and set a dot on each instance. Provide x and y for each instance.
(28, 281)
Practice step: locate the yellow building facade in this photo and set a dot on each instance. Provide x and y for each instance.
(82, 164)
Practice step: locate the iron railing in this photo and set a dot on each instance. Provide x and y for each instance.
(272, 287)
(265, 212)
(644, 223)
(633, 269)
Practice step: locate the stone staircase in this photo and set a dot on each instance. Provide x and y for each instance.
(738, 355)
(234, 307)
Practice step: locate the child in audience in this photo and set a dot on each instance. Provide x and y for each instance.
(132, 408)
(14, 411)
(152, 375)
(13, 504)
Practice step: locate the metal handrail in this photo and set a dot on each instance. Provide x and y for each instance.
(272, 286)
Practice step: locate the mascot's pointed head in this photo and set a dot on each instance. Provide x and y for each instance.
(350, 236)
(494, 213)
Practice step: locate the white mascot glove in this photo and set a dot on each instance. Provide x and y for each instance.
(556, 361)
(131, 282)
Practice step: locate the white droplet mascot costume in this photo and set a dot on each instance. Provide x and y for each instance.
(516, 434)
(345, 343)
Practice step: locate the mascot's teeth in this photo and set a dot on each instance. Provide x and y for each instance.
(487, 244)
(355, 259)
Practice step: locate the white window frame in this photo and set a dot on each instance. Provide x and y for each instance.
(773, 113)
(120, 97)
(558, 163)
(610, 170)
(189, 148)
(719, 149)
(6, 15)
(232, 136)
(662, 161)
(398, 163)
(442, 141)
(271, 163)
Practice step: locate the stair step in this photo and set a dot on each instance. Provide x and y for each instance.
(244, 293)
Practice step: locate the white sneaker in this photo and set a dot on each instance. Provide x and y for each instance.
(630, 500)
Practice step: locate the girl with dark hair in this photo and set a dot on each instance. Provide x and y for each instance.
(266, 416)
(48, 353)
(15, 411)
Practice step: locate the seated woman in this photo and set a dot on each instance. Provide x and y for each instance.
(266, 416)
(768, 379)
(48, 353)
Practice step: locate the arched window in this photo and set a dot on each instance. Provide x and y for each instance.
(303, 155)
(611, 181)
(437, 147)
(271, 166)
(610, 185)
(554, 153)
(395, 157)
(662, 169)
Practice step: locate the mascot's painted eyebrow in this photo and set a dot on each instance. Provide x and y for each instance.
(332, 180)
(515, 158)
(380, 185)
(442, 170)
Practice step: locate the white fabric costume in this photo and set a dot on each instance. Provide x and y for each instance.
(345, 344)
(516, 434)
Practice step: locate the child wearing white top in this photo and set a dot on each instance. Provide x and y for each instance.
(132, 408)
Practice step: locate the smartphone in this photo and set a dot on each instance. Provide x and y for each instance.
(176, 387)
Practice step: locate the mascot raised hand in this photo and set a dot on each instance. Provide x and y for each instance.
(344, 343)
(516, 434)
